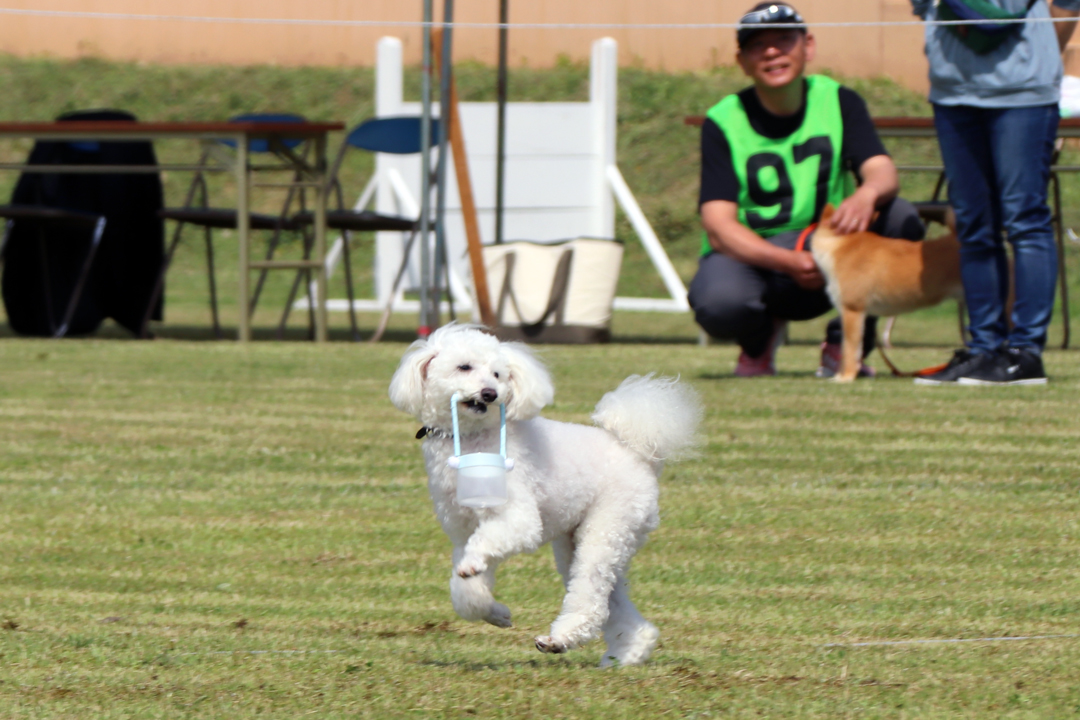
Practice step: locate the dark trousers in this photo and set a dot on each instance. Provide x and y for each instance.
(735, 301)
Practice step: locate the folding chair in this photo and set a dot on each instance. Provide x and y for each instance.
(397, 135)
(80, 247)
(196, 211)
(49, 223)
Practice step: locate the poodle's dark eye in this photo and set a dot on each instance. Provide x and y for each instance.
(464, 368)
(496, 376)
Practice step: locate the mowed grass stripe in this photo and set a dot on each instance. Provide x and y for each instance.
(170, 498)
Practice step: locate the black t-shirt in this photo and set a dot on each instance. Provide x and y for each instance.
(718, 178)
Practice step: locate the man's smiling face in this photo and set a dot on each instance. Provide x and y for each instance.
(774, 58)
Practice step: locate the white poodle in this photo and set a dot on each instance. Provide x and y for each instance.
(589, 491)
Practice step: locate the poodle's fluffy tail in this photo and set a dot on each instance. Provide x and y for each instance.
(656, 417)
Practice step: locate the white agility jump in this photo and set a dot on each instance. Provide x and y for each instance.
(561, 181)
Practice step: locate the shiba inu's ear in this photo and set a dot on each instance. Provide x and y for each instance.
(407, 385)
(826, 214)
(530, 384)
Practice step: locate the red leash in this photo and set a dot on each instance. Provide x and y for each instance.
(800, 244)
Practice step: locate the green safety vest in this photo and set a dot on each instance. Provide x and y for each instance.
(785, 183)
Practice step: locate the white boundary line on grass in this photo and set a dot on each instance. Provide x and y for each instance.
(85, 14)
(929, 641)
(933, 641)
(262, 652)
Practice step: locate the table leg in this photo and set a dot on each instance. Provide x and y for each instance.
(321, 330)
(243, 235)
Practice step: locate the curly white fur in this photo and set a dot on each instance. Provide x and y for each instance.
(590, 491)
(655, 417)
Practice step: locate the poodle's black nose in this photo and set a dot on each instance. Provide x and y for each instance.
(488, 395)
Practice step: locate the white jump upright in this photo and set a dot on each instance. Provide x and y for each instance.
(561, 181)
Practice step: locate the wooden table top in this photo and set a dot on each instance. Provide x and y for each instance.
(899, 123)
(928, 122)
(121, 127)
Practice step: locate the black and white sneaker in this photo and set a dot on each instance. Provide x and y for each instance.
(1029, 367)
(961, 362)
(1015, 366)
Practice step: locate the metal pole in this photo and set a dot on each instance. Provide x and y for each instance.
(500, 151)
(425, 172)
(445, 71)
(322, 330)
(243, 232)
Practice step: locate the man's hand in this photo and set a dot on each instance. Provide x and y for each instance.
(729, 236)
(880, 185)
(804, 271)
(854, 214)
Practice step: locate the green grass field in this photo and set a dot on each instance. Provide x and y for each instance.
(203, 529)
(210, 530)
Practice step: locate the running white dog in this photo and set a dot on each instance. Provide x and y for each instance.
(590, 491)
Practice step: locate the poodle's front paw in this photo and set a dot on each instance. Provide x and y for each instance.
(470, 566)
(548, 644)
(499, 616)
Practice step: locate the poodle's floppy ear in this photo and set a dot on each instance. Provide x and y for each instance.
(407, 385)
(530, 384)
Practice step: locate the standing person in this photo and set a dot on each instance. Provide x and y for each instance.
(772, 156)
(995, 99)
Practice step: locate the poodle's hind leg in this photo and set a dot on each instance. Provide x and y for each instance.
(473, 599)
(630, 638)
(603, 547)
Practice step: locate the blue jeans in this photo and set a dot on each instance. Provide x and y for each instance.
(997, 161)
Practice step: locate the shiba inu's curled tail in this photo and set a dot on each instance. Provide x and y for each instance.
(656, 417)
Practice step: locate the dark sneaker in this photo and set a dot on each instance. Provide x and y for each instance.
(830, 362)
(765, 365)
(1029, 367)
(962, 361)
(1015, 366)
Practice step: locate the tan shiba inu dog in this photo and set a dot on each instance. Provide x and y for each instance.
(867, 274)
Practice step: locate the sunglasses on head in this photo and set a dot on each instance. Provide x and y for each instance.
(774, 14)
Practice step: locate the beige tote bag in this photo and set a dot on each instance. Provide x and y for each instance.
(554, 292)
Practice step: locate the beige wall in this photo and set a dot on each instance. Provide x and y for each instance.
(896, 53)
